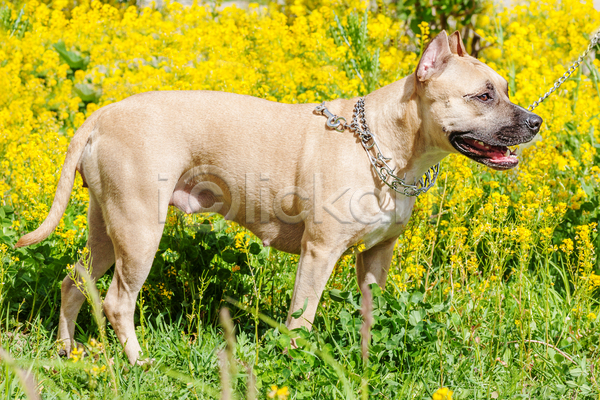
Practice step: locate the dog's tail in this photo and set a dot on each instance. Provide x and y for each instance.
(65, 184)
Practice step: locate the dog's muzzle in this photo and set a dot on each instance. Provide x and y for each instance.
(492, 149)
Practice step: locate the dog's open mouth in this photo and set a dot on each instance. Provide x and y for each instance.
(496, 157)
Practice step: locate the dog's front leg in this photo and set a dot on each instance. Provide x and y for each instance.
(316, 264)
(372, 265)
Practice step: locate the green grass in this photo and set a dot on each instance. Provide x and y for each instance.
(517, 341)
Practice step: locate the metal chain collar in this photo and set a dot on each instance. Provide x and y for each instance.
(570, 71)
(379, 162)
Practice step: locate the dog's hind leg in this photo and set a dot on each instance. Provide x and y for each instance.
(102, 256)
(372, 265)
(136, 234)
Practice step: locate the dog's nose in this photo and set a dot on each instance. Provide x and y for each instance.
(534, 122)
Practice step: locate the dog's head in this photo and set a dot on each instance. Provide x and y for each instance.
(468, 109)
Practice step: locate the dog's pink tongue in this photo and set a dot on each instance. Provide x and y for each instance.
(503, 158)
(499, 155)
(496, 154)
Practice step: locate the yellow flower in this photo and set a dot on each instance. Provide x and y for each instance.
(278, 393)
(443, 394)
(594, 280)
(76, 354)
(567, 246)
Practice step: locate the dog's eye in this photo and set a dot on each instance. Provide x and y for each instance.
(484, 97)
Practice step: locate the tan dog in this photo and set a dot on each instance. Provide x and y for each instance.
(277, 170)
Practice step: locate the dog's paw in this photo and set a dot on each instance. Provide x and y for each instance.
(293, 346)
(146, 364)
(294, 343)
(76, 352)
(67, 350)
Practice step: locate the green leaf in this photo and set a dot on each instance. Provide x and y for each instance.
(377, 335)
(71, 58)
(223, 273)
(439, 307)
(589, 189)
(576, 371)
(415, 317)
(38, 256)
(416, 297)
(229, 256)
(298, 313)
(559, 358)
(337, 295)
(224, 241)
(254, 248)
(86, 93)
(375, 289)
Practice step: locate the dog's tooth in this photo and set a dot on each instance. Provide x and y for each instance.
(479, 142)
(507, 153)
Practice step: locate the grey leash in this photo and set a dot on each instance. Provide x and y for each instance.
(593, 42)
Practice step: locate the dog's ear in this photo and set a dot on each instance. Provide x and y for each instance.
(434, 58)
(456, 44)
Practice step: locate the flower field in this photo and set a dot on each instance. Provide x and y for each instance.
(494, 290)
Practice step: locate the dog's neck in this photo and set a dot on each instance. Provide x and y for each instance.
(393, 116)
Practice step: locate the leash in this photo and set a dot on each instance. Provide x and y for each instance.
(378, 160)
(593, 42)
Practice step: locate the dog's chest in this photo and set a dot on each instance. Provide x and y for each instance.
(391, 221)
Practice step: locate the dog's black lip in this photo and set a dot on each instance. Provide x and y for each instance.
(453, 138)
(510, 141)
